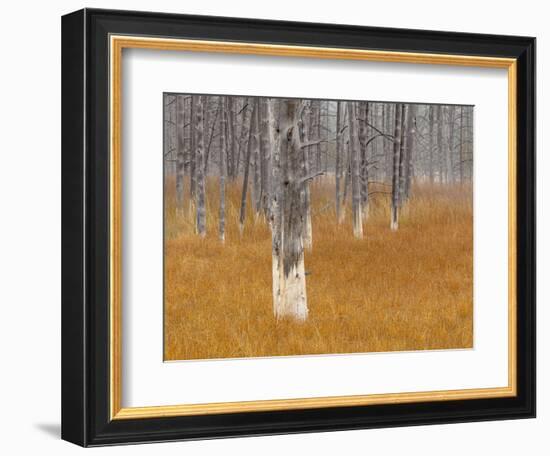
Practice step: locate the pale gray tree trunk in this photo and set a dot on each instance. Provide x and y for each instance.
(199, 167)
(394, 216)
(409, 150)
(246, 165)
(256, 193)
(402, 155)
(461, 146)
(266, 157)
(440, 154)
(450, 145)
(304, 131)
(338, 163)
(355, 151)
(289, 285)
(431, 143)
(363, 114)
(180, 152)
(223, 166)
(192, 156)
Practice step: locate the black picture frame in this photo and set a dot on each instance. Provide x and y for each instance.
(85, 228)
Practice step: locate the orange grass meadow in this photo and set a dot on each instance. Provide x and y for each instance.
(392, 291)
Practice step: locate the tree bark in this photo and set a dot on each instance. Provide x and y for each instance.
(246, 165)
(431, 144)
(199, 167)
(394, 216)
(304, 132)
(289, 285)
(338, 164)
(180, 155)
(223, 166)
(355, 151)
(363, 114)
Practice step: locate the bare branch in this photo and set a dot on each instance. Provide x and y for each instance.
(310, 177)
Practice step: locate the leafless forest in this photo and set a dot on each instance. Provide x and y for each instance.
(297, 226)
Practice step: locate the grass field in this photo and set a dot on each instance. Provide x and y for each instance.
(405, 290)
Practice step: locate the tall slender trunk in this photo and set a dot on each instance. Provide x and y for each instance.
(266, 157)
(246, 165)
(394, 222)
(338, 163)
(450, 145)
(256, 164)
(199, 167)
(355, 150)
(431, 143)
(304, 132)
(230, 114)
(402, 155)
(440, 154)
(363, 114)
(409, 150)
(180, 151)
(192, 155)
(224, 149)
(461, 145)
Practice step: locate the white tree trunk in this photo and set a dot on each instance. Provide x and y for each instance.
(199, 167)
(355, 151)
(289, 285)
(394, 216)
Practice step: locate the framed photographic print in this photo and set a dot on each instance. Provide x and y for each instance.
(279, 227)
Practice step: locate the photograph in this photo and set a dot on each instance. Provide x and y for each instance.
(315, 226)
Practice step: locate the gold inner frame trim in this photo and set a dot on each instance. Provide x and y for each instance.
(117, 44)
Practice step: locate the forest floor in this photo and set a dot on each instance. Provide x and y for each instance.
(392, 291)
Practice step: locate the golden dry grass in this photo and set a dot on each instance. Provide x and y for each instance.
(405, 290)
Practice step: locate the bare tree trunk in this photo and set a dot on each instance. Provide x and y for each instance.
(304, 131)
(356, 172)
(394, 222)
(363, 114)
(223, 167)
(256, 193)
(180, 151)
(192, 156)
(409, 148)
(289, 286)
(461, 150)
(440, 154)
(246, 165)
(266, 157)
(230, 114)
(402, 155)
(338, 163)
(431, 143)
(450, 145)
(199, 167)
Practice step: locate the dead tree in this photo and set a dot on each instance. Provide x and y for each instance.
(431, 143)
(224, 143)
(289, 284)
(355, 151)
(394, 216)
(304, 132)
(180, 151)
(199, 167)
(409, 149)
(246, 165)
(338, 163)
(265, 154)
(363, 114)
(192, 155)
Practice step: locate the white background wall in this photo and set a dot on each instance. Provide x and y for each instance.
(30, 192)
